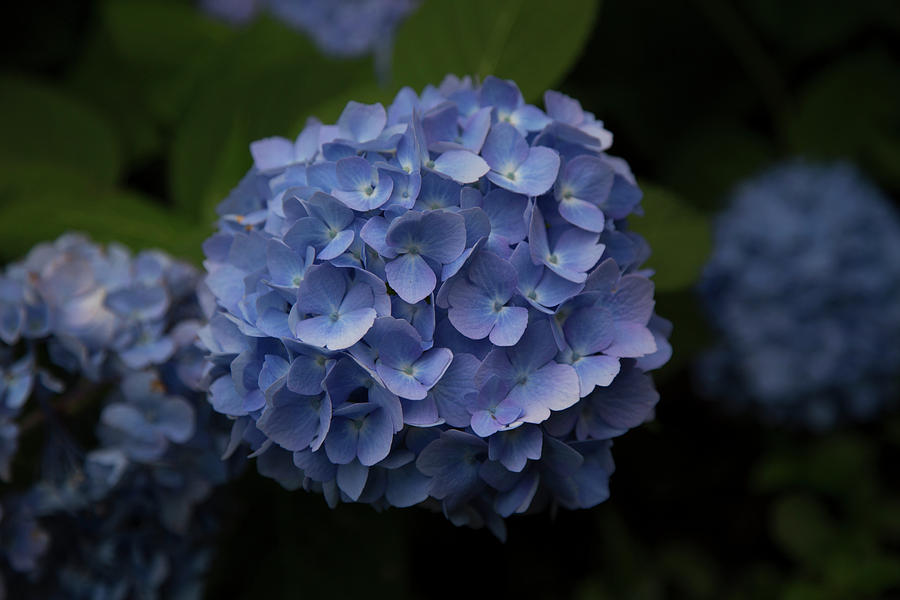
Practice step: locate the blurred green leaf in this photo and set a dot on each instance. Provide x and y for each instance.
(802, 528)
(729, 150)
(836, 465)
(159, 34)
(826, 24)
(167, 44)
(43, 201)
(42, 123)
(122, 97)
(533, 42)
(850, 111)
(678, 234)
(265, 82)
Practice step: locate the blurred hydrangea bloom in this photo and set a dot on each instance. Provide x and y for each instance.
(436, 302)
(804, 286)
(83, 323)
(338, 27)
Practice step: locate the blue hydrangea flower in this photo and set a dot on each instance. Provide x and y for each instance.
(346, 28)
(81, 324)
(803, 287)
(437, 302)
(339, 28)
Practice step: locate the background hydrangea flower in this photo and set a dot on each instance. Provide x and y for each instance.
(339, 28)
(803, 286)
(472, 344)
(85, 323)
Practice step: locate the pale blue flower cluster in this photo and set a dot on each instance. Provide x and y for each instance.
(83, 326)
(438, 301)
(338, 27)
(804, 287)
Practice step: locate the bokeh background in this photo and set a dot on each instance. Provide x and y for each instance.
(130, 120)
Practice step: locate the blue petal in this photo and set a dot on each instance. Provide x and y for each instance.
(437, 192)
(582, 214)
(362, 122)
(421, 413)
(449, 392)
(322, 290)
(514, 448)
(336, 334)
(499, 93)
(341, 442)
(511, 323)
(411, 277)
(406, 486)
(374, 233)
(306, 374)
(589, 330)
(290, 420)
(351, 479)
(552, 387)
(534, 176)
(505, 149)
(274, 368)
(506, 212)
(594, 371)
(307, 232)
(338, 245)
(461, 165)
(432, 365)
(471, 310)
(272, 153)
(329, 210)
(224, 397)
(375, 437)
(401, 383)
(631, 340)
(285, 266)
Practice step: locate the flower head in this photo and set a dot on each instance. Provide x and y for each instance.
(430, 300)
(85, 323)
(803, 287)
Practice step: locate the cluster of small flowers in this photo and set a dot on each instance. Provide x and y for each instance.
(804, 286)
(81, 323)
(438, 301)
(339, 28)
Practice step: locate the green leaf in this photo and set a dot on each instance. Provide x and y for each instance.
(159, 34)
(265, 82)
(42, 123)
(168, 45)
(730, 150)
(850, 111)
(803, 529)
(533, 42)
(42, 201)
(679, 237)
(826, 24)
(122, 97)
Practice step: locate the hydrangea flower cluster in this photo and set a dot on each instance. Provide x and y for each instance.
(438, 301)
(804, 286)
(339, 28)
(80, 323)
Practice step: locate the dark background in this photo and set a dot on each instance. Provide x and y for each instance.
(131, 123)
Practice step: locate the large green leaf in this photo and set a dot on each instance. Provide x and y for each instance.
(678, 235)
(42, 123)
(262, 83)
(850, 111)
(533, 42)
(168, 44)
(38, 202)
(161, 34)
